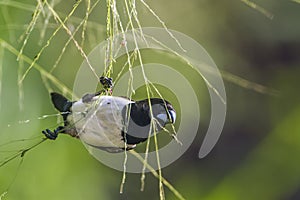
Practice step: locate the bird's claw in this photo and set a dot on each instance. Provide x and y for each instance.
(50, 134)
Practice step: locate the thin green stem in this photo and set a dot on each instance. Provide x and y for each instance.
(87, 13)
(30, 27)
(155, 174)
(38, 67)
(258, 8)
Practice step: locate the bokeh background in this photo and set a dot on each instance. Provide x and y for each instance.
(256, 156)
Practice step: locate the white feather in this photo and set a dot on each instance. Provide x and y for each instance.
(99, 122)
(163, 117)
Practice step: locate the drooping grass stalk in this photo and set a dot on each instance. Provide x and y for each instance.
(139, 57)
(173, 134)
(143, 175)
(147, 88)
(20, 85)
(163, 24)
(38, 67)
(70, 39)
(112, 18)
(124, 168)
(258, 8)
(110, 37)
(48, 15)
(35, 16)
(131, 57)
(161, 187)
(87, 13)
(62, 24)
(134, 13)
(248, 84)
(21, 153)
(155, 174)
(51, 37)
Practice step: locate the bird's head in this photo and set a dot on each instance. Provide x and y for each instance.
(162, 110)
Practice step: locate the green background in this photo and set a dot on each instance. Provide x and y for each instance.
(257, 154)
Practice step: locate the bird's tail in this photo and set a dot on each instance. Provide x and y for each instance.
(61, 103)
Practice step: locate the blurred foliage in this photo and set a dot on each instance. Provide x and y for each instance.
(256, 156)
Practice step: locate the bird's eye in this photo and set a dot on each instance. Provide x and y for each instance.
(145, 107)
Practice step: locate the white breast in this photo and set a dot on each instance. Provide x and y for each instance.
(99, 122)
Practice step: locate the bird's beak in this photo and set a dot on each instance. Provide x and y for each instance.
(172, 114)
(168, 118)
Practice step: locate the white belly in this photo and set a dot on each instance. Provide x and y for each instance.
(100, 123)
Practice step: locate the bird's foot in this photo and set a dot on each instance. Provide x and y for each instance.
(52, 135)
(106, 82)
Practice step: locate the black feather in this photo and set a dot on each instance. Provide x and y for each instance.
(139, 113)
(131, 139)
(61, 103)
(140, 116)
(140, 110)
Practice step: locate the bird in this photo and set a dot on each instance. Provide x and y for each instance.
(111, 123)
